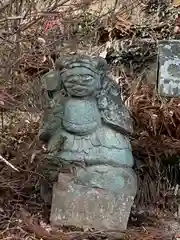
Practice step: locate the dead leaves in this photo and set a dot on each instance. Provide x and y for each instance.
(31, 225)
(176, 3)
(6, 100)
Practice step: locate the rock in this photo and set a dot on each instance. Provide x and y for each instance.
(87, 207)
(169, 70)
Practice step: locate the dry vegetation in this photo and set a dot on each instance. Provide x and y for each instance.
(32, 35)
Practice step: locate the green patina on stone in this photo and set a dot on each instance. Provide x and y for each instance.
(88, 131)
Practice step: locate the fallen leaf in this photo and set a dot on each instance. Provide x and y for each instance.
(176, 3)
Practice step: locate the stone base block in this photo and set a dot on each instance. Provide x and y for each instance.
(89, 207)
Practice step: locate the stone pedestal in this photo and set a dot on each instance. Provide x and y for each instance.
(89, 207)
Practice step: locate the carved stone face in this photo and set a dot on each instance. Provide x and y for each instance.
(81, 75)
(80, 81)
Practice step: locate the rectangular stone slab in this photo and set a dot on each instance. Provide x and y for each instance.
(169, 68)
(87, 207)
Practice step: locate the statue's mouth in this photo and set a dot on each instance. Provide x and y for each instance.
(80, 90)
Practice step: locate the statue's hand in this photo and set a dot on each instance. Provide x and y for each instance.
(56, 143)
(44, 136)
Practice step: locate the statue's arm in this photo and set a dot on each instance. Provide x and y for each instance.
(50, 123)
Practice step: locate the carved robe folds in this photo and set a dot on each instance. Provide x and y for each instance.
(99, 190)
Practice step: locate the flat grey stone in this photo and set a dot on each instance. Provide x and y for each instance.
(169, 68)
(89, 207)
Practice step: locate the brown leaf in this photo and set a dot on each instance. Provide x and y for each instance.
(39, 230)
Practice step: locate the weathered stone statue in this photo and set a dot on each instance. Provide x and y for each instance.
(87, 131)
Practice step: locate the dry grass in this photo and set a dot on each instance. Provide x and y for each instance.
(157, 144)
(29, 34)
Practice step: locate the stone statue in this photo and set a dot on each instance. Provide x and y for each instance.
(87, 129)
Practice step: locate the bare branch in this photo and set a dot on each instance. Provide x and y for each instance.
(8, 163)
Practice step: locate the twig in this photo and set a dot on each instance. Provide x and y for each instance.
(38, 230)
(28, 25)
(2, 9)
(11, 18)
(8, 163)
